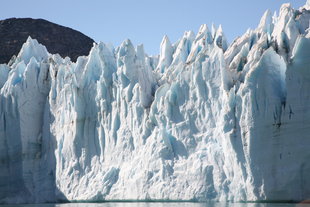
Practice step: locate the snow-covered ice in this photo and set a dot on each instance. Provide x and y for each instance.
(204, 120)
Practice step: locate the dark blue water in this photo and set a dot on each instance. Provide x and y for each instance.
(162, 204)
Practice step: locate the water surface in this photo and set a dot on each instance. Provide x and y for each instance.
(161, 204)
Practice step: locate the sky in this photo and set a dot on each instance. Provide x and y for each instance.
(145, 21)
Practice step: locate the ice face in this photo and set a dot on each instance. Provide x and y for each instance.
(4, 72)
(203, 121)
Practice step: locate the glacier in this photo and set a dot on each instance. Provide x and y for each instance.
(203, 120)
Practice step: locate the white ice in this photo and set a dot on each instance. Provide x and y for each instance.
(203, 121)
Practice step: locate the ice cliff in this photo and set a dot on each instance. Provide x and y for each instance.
(204, 120)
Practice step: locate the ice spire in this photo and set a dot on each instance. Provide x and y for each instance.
(140, 53)
(203, 38)
(213, 30)
(32, 48)
(126, 56)
(204, 31)
(220, 38)
(166, 52)
(183, 48)
(266, 24)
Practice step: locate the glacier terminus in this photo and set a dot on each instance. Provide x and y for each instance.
(204, 120)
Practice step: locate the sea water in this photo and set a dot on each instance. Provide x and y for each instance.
(162, 204)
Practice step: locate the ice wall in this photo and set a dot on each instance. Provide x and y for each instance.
(203, 121)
